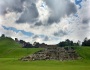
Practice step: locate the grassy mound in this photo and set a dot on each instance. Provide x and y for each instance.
(84, 52)
(11, 49)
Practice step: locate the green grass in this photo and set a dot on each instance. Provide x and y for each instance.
(11, 51)
(84, 52)
(14, 64)
(18, 52)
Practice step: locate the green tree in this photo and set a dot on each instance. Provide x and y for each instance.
(2, 36)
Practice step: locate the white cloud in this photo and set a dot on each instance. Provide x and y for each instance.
(44, 12)
(70, 24)
(72, 1)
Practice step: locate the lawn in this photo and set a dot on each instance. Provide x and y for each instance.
(15, 64)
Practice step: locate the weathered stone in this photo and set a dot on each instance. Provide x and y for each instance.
(53, 53)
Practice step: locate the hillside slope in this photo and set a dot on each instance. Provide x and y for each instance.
(84, 52)
(11, 49)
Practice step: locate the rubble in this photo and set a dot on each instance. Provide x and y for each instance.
(53, 53)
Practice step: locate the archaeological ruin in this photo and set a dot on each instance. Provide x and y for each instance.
(53, 53)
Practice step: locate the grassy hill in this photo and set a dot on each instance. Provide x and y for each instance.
(11, 49)
(83, 52)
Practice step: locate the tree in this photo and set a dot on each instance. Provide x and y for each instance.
(2, 36)
(36, 44)
(61, 44)
(68, 43)
(86, 42)
(72, 44)
(28, 45)
(16, 39)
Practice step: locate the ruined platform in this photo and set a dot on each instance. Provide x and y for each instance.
(53, 53)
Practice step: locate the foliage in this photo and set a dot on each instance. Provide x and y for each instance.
(67, 43)
(86, 42)
(2, 36)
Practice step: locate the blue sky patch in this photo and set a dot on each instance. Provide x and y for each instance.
(78, 2)
(16, 30)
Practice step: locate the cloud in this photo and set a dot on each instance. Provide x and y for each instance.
(59, 9)
(30, 14)
(35, 36)
(39, 23)
(46, 38)
(85, 21)
(60, 33)
(27, 8)
(10, 5)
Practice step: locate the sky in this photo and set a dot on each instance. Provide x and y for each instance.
(45, 21)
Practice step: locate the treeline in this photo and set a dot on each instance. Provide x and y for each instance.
(65, 43)
(22, 42)
(86, 42)
(27, 44)
(5, 37)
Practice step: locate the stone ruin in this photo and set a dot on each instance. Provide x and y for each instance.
(53, 53)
